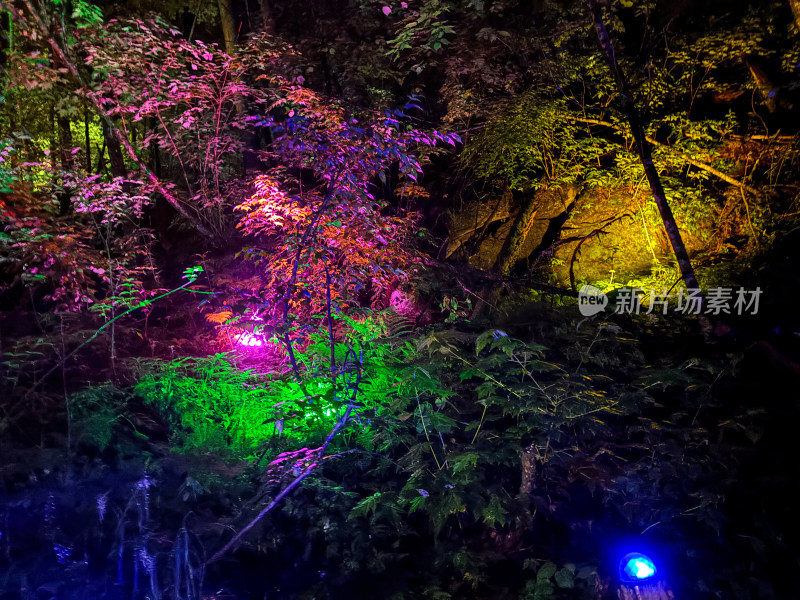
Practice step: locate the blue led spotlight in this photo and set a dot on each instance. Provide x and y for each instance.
(636, 567)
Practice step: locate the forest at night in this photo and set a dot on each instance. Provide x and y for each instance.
(399, 300)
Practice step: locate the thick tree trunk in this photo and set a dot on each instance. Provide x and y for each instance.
(510, 254)
(645, 156)
(228, 27)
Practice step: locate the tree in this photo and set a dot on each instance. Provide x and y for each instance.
(31, 21)
(634, 119)
(228, 25)
(332, 231)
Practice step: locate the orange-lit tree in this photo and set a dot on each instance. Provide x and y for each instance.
(335, 237)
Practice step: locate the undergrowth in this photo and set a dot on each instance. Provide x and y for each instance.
(496, 463)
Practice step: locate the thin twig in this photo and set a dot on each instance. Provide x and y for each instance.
(97, 332)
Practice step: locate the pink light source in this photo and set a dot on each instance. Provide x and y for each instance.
(249, 340)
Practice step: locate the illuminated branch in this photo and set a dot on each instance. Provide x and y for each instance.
(320, 452)
(685, 157)
(287, 298)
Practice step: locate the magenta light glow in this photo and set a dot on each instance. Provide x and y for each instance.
(249, 339)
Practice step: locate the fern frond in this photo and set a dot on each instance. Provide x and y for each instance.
(397, 324)
(220, 317)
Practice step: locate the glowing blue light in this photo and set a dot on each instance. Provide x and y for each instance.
(636, 567)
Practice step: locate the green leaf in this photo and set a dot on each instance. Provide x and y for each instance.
(543, 590)
(416, 503)
(365, 507)
(464, 462)
(441, 422)
(565, 578)
(546, 571)
(483, 340)
(493, 513)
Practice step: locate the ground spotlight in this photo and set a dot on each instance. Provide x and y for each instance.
(635, 567)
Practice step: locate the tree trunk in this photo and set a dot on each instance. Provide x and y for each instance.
(6, 38)
(153, 156)
(645, 156)
(528, 464)
(67, 161)
(52, 142)
(101, 159)
(268, 20)
(115, 156)
(65, 143)
(763, 82)
(88, 141)
(228, 27)
(509, 255)
(519, 231)
(795, 6)
(250, 159)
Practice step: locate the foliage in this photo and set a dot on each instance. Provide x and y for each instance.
(209, 404)
(497, 458)
(465, 423)
(331, 231)
(60, 259)
(530, 143)
(199, 99)
(214, 404)
(95, 411)
(422, 32)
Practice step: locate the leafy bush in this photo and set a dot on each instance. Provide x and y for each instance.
(94, 411)
(214, 405)
(209, 403)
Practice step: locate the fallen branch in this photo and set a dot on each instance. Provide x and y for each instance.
(286, 491)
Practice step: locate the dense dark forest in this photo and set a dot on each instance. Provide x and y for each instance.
(419, 300)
